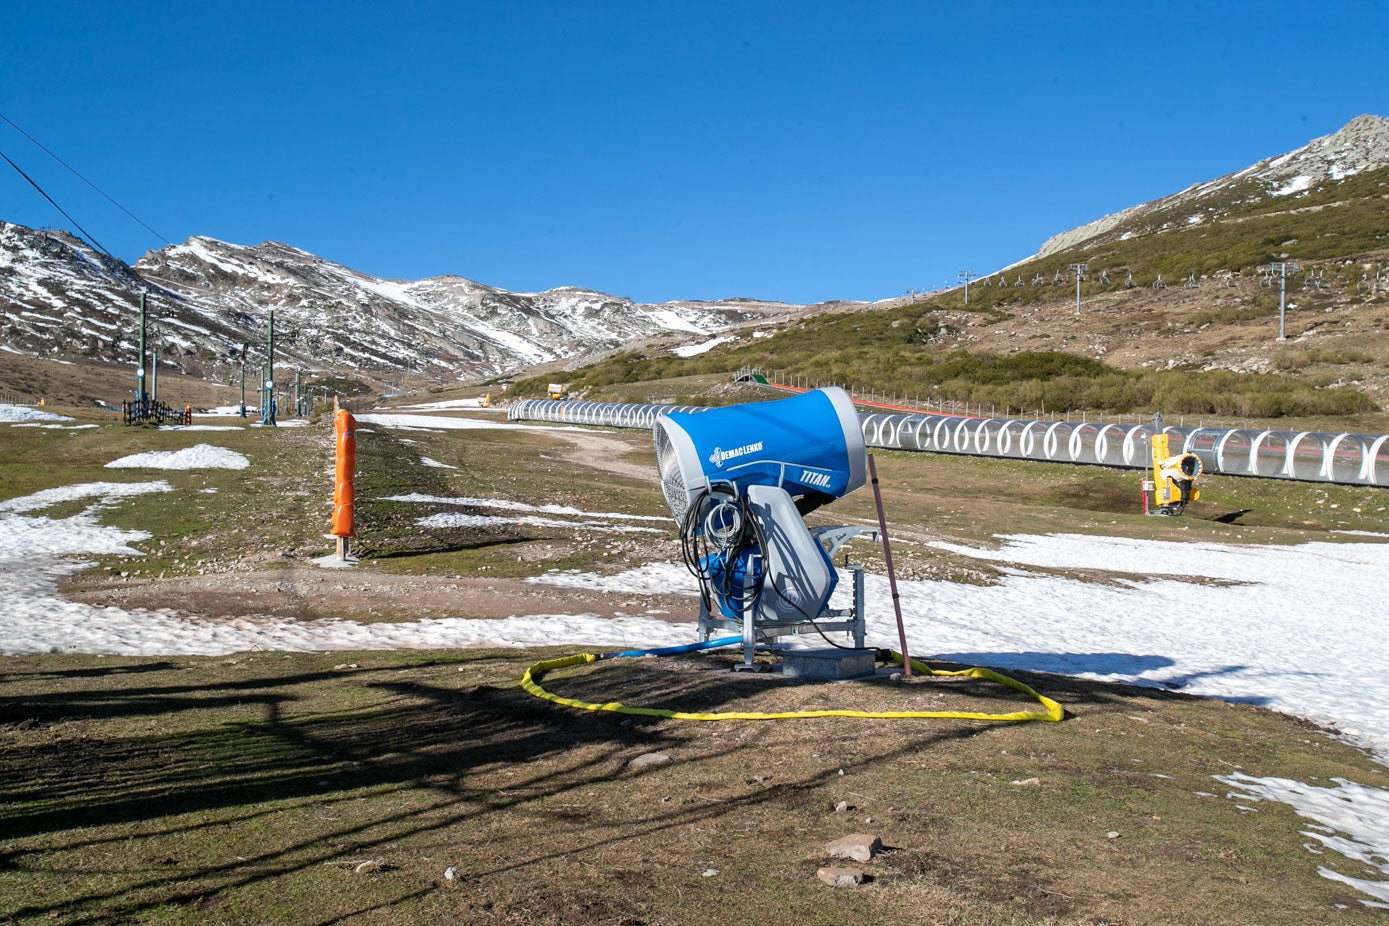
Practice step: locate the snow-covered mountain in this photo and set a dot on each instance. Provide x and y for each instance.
(207, 298)
(1361, 145)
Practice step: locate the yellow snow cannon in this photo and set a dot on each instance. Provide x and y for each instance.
(1174, 478)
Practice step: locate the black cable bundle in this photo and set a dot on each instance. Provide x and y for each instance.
(700, 545)
(703, 542)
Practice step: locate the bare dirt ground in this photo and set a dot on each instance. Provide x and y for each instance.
(29, 380)
(604, 454)
(285, 583)
(308, 592)
(1346, 332)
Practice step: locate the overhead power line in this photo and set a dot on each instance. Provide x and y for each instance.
(79, 176)
(90, 237)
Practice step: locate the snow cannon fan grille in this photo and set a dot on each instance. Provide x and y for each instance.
(672, 478)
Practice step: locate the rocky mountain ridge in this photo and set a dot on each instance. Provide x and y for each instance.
(209, 299)
(1360, 145)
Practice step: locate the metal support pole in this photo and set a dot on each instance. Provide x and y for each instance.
(1282, 305)
(891, 573)
(966, 275)
(141, 396)
(267, 412)
(749, 621)
(1283, 267)
(1080, 273)
(860, 625)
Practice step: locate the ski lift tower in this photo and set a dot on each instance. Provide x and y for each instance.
(1283, 268)
(966, 276)
(267, 409)
(142, 396)
(1079, 270)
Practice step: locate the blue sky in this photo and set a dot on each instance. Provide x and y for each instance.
(798, 151)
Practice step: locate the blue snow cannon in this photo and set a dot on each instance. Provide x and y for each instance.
(739, 481)
(811, 445)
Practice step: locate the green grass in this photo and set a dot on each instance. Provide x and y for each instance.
(1332, 223)
(211, 518)
(247, 789)
(898, 351)
(251, 788)
(889, 350)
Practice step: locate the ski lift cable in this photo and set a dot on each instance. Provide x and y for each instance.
(79, 176)
(90, 237)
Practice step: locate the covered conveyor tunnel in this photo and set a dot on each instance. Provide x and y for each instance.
(1310, 456)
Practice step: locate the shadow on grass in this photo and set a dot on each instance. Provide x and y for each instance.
(387, 755)
(406, 736)
(436, 545)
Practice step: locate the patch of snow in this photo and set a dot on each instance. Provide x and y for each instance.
(692, 350)
(667, 318)
(35, 556)
(281, 423)
(441, 423)
(649, 579)
(429, 461)
(487, 520)
(203, 427)
(26, 413)
(446, 404)
(1296, 185)
(1351, 819)
(199, 456)
(106, 492)
(508, 505)
(1264, 634)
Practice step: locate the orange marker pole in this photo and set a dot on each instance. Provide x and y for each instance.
(345, 428)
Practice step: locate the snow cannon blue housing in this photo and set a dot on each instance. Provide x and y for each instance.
(810, 444)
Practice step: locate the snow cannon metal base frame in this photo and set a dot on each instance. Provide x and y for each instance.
(739, 481)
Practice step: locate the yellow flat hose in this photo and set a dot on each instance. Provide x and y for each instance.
(530, 681)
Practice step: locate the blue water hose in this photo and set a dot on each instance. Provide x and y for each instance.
(673, 650)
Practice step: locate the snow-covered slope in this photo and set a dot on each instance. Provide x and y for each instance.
(61, 298)
(208, 298)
